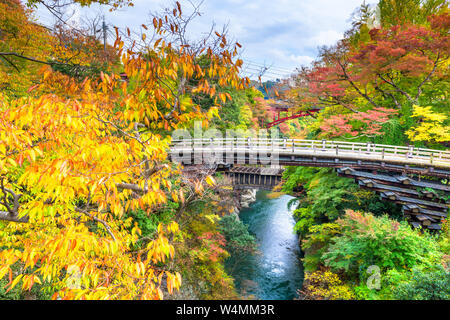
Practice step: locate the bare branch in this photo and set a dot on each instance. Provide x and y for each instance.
(347, 77)
(10, 63)
(132, 186)
(15, 210)
(395, 86)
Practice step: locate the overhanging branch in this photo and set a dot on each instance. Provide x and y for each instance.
(14, 54)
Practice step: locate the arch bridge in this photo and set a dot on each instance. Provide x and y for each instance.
(279, 107)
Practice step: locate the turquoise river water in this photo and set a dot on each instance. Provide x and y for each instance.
(275, 272)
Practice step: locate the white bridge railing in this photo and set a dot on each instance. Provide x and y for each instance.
(318, 148)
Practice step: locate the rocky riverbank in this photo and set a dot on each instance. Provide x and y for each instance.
(247, 197)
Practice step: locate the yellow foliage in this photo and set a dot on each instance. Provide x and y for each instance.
(77, 156)
(431, 126)
(326, 285)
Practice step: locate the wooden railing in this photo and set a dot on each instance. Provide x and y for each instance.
(319, 148)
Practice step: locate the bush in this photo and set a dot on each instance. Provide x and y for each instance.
(326, 196)
(425, 285)
(238, 239)
(367, 240)
(317, 242)
(422, 284)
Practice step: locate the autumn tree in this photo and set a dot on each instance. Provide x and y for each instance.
(432, 126)
(398, 12)
(401, 60)
(367, 124)
(26, 46)
(74, 162)
(381, 68)
(393, 66)
(19, 37)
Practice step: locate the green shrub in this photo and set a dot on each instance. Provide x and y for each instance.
(367, 240)
(317, 242)
(238, 239)
(421, 284)
(325, 285)
(326, 196)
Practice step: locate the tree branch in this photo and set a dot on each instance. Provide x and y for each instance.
(419, 88)
(347, 77)
(396, 87)
(5, 216)
(4, 54)
(131, 186)
(15, 210)
(385, 94)
(104, 223)
(12, 64)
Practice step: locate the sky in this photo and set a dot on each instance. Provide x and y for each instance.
(280, 34)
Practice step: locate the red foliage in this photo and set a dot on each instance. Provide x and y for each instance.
(372, 121)
(410, 49)
(215, 243)
(393, 65)
(440, 22)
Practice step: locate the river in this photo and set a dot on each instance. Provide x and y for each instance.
(275, 272)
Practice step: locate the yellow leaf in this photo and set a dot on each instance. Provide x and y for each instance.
(210, 180)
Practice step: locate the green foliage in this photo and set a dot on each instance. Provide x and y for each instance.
(148, 223)
(328, 190)
(395, 12)
(367, 240)
(236, 113)
(305, 220)
(420, 284)
(317, 242)
(238, 239)
(444, 237)
(326, 196)
(393, 133)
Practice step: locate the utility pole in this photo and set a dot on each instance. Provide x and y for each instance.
(105, 28)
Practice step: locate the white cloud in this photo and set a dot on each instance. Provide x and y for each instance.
(301, 60)
(285, 33)
(326, 37)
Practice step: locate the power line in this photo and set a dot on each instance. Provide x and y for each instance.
(270, 68)
(264, 76)
(267, 72)
(264, 65)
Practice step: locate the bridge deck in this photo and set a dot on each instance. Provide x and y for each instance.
(291, 152)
